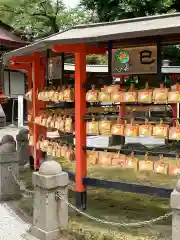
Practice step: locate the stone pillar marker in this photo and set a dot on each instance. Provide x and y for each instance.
(8, 139)
(175, 205)
(23, 146)
(9, 166)
(49, 214)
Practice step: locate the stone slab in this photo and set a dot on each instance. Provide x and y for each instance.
(42, 235)
(11, 225)
(27, 236)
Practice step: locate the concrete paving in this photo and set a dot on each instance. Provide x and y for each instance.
(11, 225)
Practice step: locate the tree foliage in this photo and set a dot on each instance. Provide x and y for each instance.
(111, 10)
(43, 17)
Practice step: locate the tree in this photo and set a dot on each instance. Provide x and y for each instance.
(40, 15)
(111, 10)
(176, 5)
(43, 17)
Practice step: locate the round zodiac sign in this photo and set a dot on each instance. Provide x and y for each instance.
(122, 56)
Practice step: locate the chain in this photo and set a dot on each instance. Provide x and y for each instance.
(136, 224)
(20, 148)
(23, 187)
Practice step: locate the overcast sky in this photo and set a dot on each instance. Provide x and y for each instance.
(71, 3)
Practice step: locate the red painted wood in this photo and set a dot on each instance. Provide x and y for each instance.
(22, 59)
(66, 48)
(42, 85)
(174, 108)
(80, 124)
(77, 48)
(22, 66)
(12, 44)
(36, 78)
(122, 111)
(95, 50)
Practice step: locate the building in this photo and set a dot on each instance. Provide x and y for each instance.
(12, 83)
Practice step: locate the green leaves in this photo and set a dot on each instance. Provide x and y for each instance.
(110, 10)
(44, 17)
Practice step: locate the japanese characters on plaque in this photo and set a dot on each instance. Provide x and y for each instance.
(138, 60)
(54, 68)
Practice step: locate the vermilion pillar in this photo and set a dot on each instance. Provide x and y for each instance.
(122, 113)
(42, 85)
(174, 108)
(38, 84)
(30, 111)
(80, 126)
(36, 78)
(29, 104)
(35, 67)
(80, 51)
(122, 104)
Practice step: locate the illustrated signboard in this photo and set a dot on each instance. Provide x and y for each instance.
(54, 70)
(138, 60)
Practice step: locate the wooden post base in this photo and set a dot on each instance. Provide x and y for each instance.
(81, 200)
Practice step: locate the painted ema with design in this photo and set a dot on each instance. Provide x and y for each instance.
(139, 60)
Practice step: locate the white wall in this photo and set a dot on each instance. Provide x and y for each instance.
(17, 86)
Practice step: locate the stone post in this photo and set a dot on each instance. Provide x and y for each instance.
(175, 205)
(9, 168)
(8, 139)
(22, 147)
(49, 214)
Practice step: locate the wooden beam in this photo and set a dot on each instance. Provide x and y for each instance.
(159, 62)
(66, 48)
(110, 47)
(36, 77)
(80, 126)
(95, 50)
(22, 66)
(22, 59)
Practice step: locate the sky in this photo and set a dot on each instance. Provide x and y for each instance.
(71, 3)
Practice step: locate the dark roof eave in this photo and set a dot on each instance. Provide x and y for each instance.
(122, 36)
(96, 37)
(14, 43)
(31, 48)
(43, 45)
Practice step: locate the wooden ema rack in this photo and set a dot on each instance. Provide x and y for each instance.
(35, 65)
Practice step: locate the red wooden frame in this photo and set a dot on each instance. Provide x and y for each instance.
(35, 67)
(78, 48)
(80, 124)
(80, 51)
(36, 73)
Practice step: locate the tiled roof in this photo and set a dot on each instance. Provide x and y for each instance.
(119, 30)
(9, 36)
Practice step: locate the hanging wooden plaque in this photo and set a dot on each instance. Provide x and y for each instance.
(55, 68)
(138, 60)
